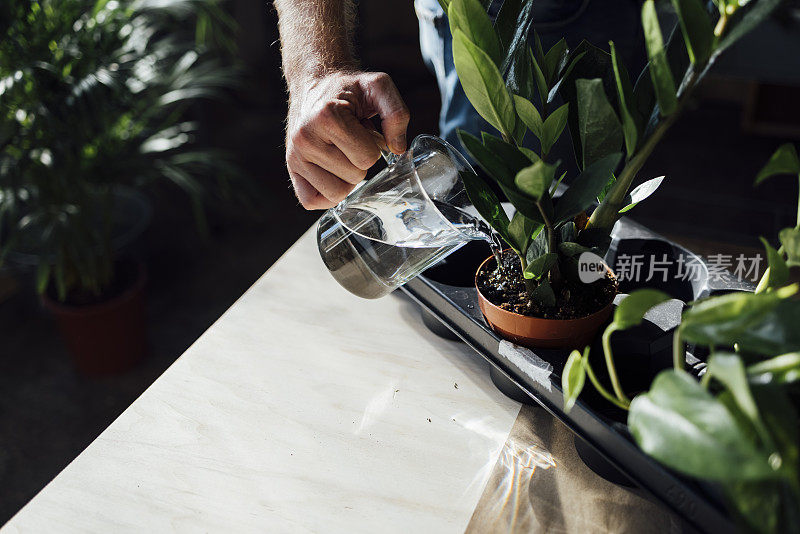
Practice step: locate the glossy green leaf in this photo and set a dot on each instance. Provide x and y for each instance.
(540, 266)
(641, 192)
(600, 130)
(513, 25)
(571, 60)
(764, 323)
(470, 17)
(483, 84)
(588, 62)
(584, 188)
(683, 426)
(538, 246)
(529, 115)
(553, 126)
(783, 161)
(489, 160)
(781, 369)
(663, 82)
(606, 188)
(790, 240)
(625, 100)
(512, 157)
(543, 294)
(535, 179)
(445, 4)
(486, 202)
(698, 32)
(778, 272)
(574, 377)
(521, 230)
(729, 369)
(530, 154)
(631, 310)
(541, 82)
(553, 59)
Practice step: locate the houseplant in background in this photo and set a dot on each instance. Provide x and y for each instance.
(737, 426)
(505, 77)
(94, 103)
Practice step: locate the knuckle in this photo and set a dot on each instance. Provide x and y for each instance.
(382, 79)
(365, 162)
(400, 114)
(301, 138)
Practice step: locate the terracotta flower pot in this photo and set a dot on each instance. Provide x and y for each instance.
(536, 332)
(108, 337)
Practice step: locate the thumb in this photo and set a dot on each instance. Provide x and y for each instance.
(385, 99)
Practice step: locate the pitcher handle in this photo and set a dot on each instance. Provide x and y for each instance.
(389, 157)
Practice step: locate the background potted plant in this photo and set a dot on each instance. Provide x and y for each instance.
(737, 426)
(94, 104)
(504, 76)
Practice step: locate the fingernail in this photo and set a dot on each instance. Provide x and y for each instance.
(399, 144)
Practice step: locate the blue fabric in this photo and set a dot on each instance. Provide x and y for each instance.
(594, 20)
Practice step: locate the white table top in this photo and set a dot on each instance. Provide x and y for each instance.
(303, 408)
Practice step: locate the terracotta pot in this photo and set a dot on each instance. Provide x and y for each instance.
(536, 332)
(108, 337)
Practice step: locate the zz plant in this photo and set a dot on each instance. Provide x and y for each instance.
(614, 125)
(738, 425)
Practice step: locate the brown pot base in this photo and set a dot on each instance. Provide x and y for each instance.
(105, 338)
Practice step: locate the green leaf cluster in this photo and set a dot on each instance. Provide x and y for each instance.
(736, 426)
(94, 95)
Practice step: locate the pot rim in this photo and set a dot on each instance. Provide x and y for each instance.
(502, 312)
(84, 309)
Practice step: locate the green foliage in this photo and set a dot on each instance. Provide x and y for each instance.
(790, 243)
(782, 369)
(470, 17)
(574, 377)
(632, 309)
(585, 187)
(682, 425)
(641, 192)
(95, 95)
(660, 72)
(536, 179)
(630, 129)
(482, 82)
(778, 273)
(698, 32)
(600, 130)
(783, 161)
(736, 426)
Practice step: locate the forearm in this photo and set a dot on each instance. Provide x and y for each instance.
(316, 38)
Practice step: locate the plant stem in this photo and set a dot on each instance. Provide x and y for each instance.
(678, 356)
(600, 389)
(612, 371)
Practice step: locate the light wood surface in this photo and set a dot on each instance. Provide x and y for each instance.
(302, 408)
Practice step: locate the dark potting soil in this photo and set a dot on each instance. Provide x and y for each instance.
(506, 289)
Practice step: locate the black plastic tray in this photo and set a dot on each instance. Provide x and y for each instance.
(456, 307)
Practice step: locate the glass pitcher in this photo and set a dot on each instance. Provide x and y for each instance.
(394, 226)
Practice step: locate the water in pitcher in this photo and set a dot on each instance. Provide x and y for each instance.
(379, 243)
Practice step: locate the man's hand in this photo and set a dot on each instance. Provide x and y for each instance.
(328, 147)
